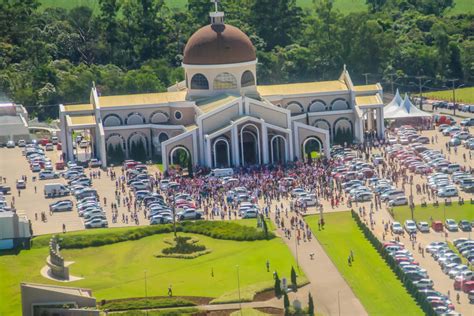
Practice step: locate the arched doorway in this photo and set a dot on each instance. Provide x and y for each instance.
(138, 146)
(312, 146)
(343, 131)
(221, 149)
(180, 155)
(250, 145)
(278, 149)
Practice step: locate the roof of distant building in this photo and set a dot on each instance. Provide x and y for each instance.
(303, 88)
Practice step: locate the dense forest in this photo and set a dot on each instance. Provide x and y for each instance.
(51, 56)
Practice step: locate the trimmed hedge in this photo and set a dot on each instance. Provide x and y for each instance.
(225, 230)
(407, 283)
(144, 303)
(106, 236)
(166, 312)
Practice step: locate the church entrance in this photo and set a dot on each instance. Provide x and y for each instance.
(221, 150)
(278, 149)
(249, 148)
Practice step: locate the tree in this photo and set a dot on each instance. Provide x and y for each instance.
(310, 305)
(277, 22)
(294, 283)
(277, 286)
(286, 303)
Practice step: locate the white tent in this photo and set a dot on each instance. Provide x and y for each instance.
(405, 110)
(394, 105)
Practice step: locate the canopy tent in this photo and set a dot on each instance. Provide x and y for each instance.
(405, 110)
(393, 105)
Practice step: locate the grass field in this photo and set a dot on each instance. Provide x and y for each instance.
(463, 95)
(118, 270)
(454, 211)
(345, 6)
(370, 278)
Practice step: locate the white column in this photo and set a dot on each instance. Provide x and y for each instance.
(370, 120)
(296, 146)
(290, 148)
(264, 141)
(381, 129)
(164, 156)
(69, 148)
(235, 145)
(327, 145)
(208, 152)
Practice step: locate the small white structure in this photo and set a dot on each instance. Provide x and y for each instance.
(13, 122)
(14, 230)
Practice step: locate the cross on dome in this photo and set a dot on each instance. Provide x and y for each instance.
(216, 2)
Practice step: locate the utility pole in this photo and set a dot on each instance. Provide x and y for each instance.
(392, 81)
(421, 84)
(454, 93)
(366, 75)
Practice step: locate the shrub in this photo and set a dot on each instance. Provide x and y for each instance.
(310, 305)
(107, 236)
(182, 246)
(142, 303)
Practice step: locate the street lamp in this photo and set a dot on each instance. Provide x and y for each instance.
(421, 85)
(238, 286)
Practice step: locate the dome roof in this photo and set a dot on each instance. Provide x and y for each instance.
(218, 44)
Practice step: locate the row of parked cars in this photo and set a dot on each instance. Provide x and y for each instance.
(79, 186)
(419, 276)
(452, 265)
(459, 135)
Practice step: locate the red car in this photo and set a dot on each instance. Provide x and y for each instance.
(468, 286)
(44, 141)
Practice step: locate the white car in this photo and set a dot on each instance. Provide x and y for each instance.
(189, 213)
(448, 191)
(457, 270)
(423, 227)
(96, 223)
(48, 174)
(424, 284)
(399, 200)
(397, 228)
(250, 213)
(410, 226)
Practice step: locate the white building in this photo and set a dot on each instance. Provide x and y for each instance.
(220, 117)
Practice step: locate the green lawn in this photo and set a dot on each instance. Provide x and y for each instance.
(249, 312)
(463, 95)
(117, 270)
(454, 211)
(370, 278)
(345, 6)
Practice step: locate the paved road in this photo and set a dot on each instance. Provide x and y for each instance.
(331, 293)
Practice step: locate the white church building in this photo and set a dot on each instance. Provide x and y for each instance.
(220, 117)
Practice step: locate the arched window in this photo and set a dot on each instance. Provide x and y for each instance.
(225, 81)
(199, 82)
(247, 79)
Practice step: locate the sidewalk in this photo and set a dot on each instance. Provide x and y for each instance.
(331, 293)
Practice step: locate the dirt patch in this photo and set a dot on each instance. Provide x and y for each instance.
(264, 296)
(198, 300)
(268, 310)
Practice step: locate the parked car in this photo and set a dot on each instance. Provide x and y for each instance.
(396, 228)
(465, 225)
(94, 163)
(410, 226)
(451, 225)
(96, 223)
(423, 227)
(48, 174)
(189, 214)
(61, 206)
(399, 200)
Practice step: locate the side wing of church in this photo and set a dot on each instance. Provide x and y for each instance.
(219, 116)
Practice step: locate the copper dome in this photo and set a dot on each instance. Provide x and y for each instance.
(218, 44)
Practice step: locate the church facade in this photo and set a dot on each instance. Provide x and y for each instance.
(219, 116)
